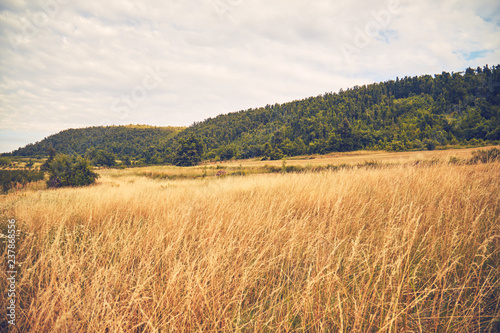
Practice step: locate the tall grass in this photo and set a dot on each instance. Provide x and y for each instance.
(406, 248)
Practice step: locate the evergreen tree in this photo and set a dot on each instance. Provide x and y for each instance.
(126, 160)
(346, 138)
(189, 151)
(104, 158)
(52, 154)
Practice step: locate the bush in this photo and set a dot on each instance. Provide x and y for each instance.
(485, 156)
(430, 144)
(126, 161)
(397, 146)
(294, 168)
(454, 160)
(8, 178)
(4, 161)
(240, 173)
(70, 171)
(476, 142)
(29, 164)
(416, 144)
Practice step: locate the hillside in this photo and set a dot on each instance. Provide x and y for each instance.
(131, 140)
(409, 113)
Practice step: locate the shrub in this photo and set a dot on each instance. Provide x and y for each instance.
(4, 161)
(454, 160)
(29, 164)
(416, 144)
(240, 173)
(430, 144)
(70, 171)
(8, 178)
(397, 146)
(476, 142)
(294, 168)
(101, 157)
(373, 164)
(126, 161)
(221, 173)
(485, 156)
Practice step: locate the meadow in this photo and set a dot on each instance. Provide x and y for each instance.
(402, 242)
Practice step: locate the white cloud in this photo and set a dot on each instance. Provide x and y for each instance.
(66, 63)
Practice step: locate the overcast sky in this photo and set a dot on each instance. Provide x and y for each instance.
(79, 63)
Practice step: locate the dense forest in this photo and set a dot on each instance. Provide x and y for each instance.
(409, 113)
(419, 112)
(122, 142)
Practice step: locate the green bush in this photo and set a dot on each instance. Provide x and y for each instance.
(239, 173)
(430, 144)
(397, 146)
(4, 161)
(476, 142)
(70, 171)
(8, 178)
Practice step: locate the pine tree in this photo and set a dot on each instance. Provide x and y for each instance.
(189, 151)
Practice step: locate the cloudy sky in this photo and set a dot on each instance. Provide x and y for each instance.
(78, 63)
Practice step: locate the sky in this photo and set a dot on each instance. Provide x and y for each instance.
(80, 63)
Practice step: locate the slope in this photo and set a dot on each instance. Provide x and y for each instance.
(136, 141)
(403, 114)
(409, 113)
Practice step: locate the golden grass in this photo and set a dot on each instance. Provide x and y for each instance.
(401, 248)
(306, 163)
(358, 157)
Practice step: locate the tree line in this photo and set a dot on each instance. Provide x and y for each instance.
(410, 113)
(419, 112)
(134, 141)
(59, 170)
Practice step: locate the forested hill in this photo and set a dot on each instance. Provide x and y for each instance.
(131, 140)
(406, 113)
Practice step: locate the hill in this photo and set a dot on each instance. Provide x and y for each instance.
(137, 141)
(409, 113)
(401, 114)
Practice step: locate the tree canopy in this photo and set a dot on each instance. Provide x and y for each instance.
(420, 112)
(189, 151)
(406, 113)
(67, 170)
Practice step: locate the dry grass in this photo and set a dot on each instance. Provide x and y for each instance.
(358, 157)
(405, 248)
(307, 163)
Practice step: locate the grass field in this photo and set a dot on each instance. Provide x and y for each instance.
(332, 161)
(396, 246)
(358, 157)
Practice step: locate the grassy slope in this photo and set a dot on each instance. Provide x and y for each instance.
(405, 247)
